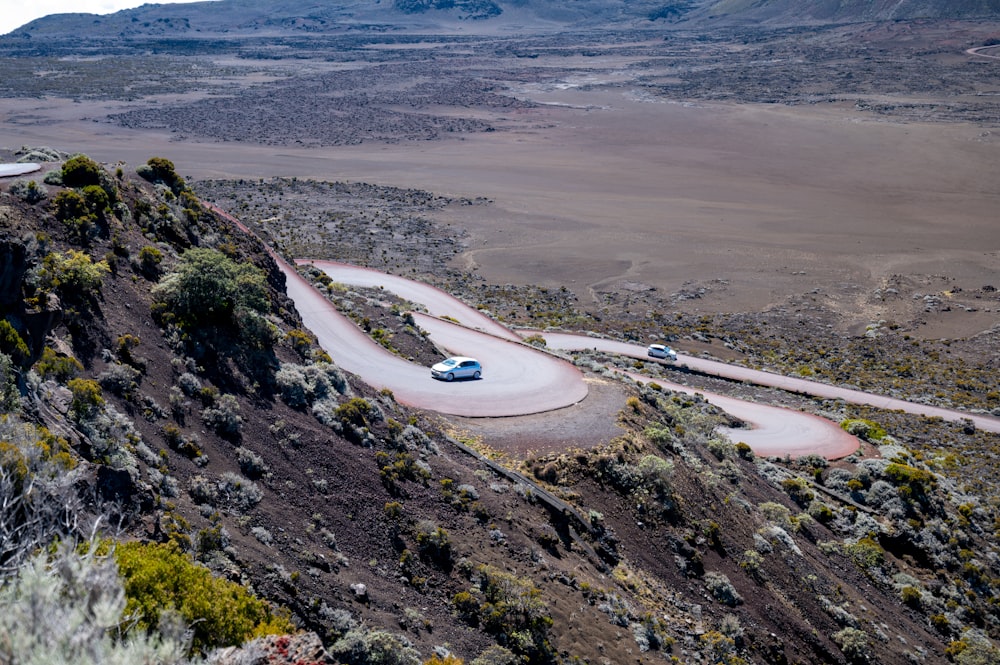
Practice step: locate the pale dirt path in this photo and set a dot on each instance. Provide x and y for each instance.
(773, 430)
(437, 302)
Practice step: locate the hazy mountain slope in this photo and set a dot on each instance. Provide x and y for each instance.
(285, 16)
(845, 11)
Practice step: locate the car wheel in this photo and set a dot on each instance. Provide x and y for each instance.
(476, 375)
(450, 377)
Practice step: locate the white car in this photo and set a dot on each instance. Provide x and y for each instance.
(661, 351)
(458, 367)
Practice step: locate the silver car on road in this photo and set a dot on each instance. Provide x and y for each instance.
(458, 367)
(661, 351)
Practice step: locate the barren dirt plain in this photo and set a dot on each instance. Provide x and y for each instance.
(620, 172)
(846, 176)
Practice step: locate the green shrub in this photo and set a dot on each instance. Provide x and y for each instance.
(910, 595)
(798, 489)
(28, 191)
(377, 647)
(10, 395)
(866, 429)
(160, 579)
(81, 171)
(150, 259)
(866, 553)
(854, 644)
(73, 210)
(912, 482)
(65, 608)
(98, 202)
(820, 512)
(209, 292)
(223, 416)
(161, 170)
(974, 648)
(13, 345)
(300, 341)
(496, 655)
(73, 275)
(121, 380)
(355, 411)
(512, 610)
(87, 397)
(57, 367)
(208, 287)
(434, 544)
(722, 589)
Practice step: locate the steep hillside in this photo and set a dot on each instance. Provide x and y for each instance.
(149, 352)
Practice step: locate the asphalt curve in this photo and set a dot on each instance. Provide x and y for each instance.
(520, 380)
(771, 430)
(517, 379)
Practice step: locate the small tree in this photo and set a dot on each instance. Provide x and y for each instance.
(161, 170)
(209, 289)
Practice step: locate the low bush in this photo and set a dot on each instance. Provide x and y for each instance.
(854, 644)
(150, 259)
(87, 397)
(66, 608)
(28, 191)
(223, 416)
(511, 608)
(160, 581)
(57, 367)
(360, 647)
(722, 589)
(119, 379)
(13, 345)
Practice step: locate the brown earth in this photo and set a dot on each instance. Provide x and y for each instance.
(724, 205)
(601, 188)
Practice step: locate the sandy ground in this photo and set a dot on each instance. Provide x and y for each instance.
(600, 188)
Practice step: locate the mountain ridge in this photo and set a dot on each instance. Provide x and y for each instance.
(283, 16)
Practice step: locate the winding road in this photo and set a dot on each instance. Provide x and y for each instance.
(519, 379)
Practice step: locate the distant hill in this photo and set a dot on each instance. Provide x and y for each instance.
(287, 16)
(845, 11)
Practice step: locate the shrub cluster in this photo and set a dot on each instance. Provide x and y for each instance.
(160, 580)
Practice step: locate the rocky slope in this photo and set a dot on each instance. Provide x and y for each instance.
(396, 536)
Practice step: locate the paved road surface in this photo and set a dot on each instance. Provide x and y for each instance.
(517, 379)
(571, 342)
(520, 380)
(771, 430)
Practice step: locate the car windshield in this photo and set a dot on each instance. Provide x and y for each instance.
(450, 362)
